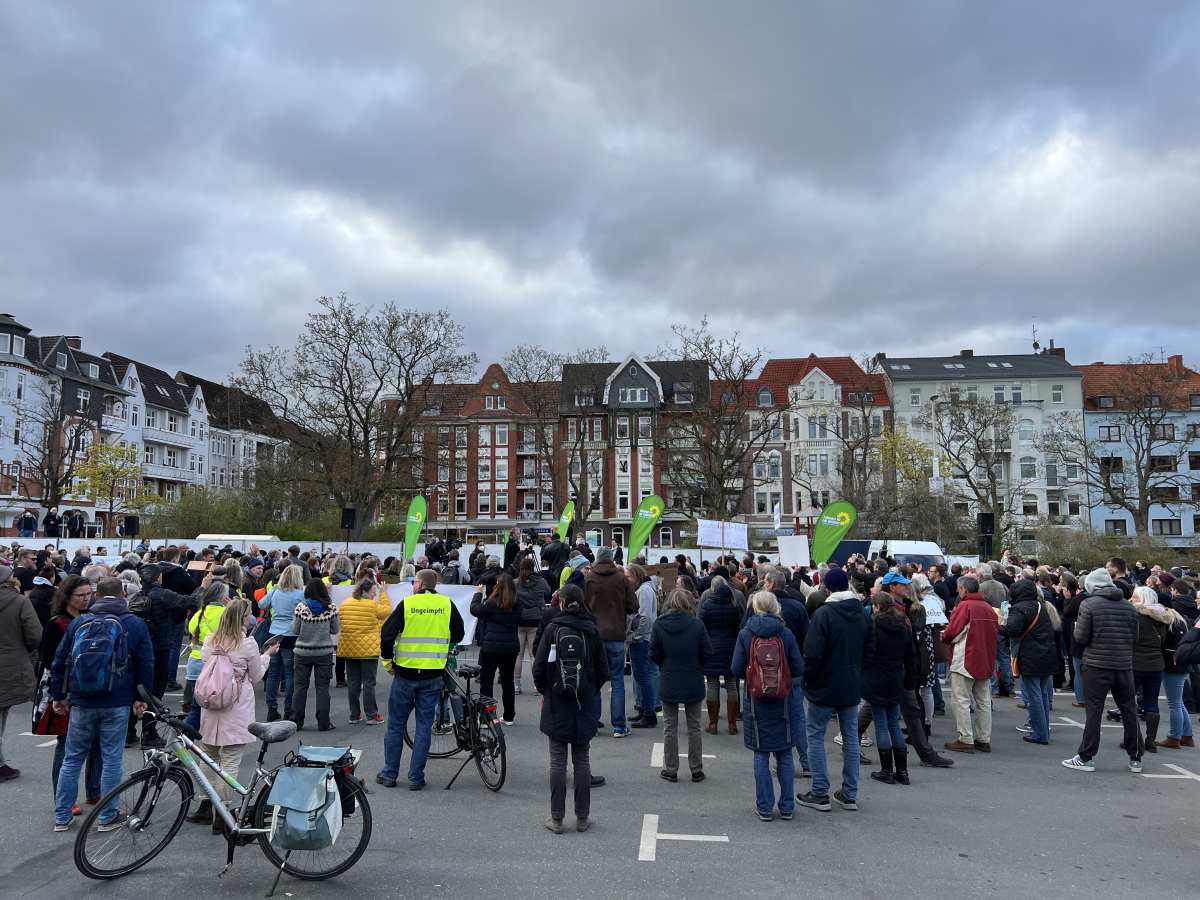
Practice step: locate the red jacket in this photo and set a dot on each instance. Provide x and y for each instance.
(977, 618)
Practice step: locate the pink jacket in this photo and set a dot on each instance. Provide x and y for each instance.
(223, 727)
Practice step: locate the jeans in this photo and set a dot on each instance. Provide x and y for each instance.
(91, 781)
(965, 692)
(1077, 665)
(799, 726)
(175, 641)
(691, 713)
(321, 669)
(887, 727)
(615, 651)
(818, 722)
(581, 776)
(408, 695)
(194, 667)
(1181, 723)
(1038, 692)
(360, 681)
(110, 725)
(282, 669)
(764, 788)
(503, 663)
(1097, 684)
(1147, 685)
(639, 655)
(1003, 665)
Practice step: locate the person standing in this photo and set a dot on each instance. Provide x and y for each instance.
(795, 617)
(159, 607)
(52, 523)
(570, 669)
(362, 616)
(94, 707)
(722, 619)
(213, 597)
(533, 595)
(1030, 630)
(315, 624)
(995, 592)
(415, 646)
(888, 670)
(971, 634)
(281, 601)
(224, 732)
(839, 636)
(610, 598)
(1153, 622)
(680, 646)
(768, 720)
(20, 635)
(1175, 675)
(498, 621)
(1107, 630)
(639, 646)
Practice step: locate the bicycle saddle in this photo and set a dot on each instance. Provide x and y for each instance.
(272, 732)
(466, 670)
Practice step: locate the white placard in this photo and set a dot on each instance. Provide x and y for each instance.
(793, 550)
(708, 533)
(722, 535)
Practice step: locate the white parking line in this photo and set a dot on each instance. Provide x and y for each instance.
(658, 755)
(1077, 724)
(648, 848)
(1183, 773)
(49, 743)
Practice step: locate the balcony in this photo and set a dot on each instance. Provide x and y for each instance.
(109, 422)
(168, 473)
(162, 436)
(528, 515)
(527, 449)
(527, 483)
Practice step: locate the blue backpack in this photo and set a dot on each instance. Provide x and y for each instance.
(99, 654)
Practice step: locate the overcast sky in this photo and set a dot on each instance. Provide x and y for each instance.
(180, 180)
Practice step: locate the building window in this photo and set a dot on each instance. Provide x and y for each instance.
(171, 458)
(151, 418)
(998, 393)
(914, 397)
(823, 467)
(1110, 433)
(583, 398)
(1028, 467)
(501, 474)
(93, 370)
(1029, 505)
(443, 438)
(623, 500)
(485, 435)
(443, 472)
(60, 360)
(502, 503)
(1073, 506)
(172, 423)
(488, 402)
(1193, 399)
(1194, 462)
(502, 436)
(83, 399)
(1016, 395)
(622, 428)
(1025, 431)
(1056, 393)
(20, 392)
(485, 469)
(1162, 464)
(1105, 401)
(1163, 432)
(485, 504)
(683, 392)
(460, 504)
(644, 428)
(148, 455)
(665, 537)
(597, 429)
(192, 425)
(765, 397)
(774, 466)
(200, 465)
(812, 464)
(1166, 527)
(760, 502)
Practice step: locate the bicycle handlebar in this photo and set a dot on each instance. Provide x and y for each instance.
(160, 712)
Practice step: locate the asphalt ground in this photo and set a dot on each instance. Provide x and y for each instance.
(1010, 823)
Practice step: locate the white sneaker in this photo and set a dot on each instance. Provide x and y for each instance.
(863, 741)
(1135, 766)
(837, 739)
(1083, 765)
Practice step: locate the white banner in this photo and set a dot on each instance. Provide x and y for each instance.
(461, 594)
(722, 535)
(793, 550)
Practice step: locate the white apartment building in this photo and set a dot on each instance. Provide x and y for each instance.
(238, 442)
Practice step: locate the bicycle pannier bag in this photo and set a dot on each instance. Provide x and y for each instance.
(308, 810)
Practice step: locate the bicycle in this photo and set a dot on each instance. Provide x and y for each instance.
(470, 720)
(152, 803)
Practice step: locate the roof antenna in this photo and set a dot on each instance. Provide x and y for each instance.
(1036, 345)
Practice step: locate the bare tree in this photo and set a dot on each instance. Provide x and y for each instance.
(351, 396)
(53, 437)
(713, 447)
(534, 375)
(1133, 462)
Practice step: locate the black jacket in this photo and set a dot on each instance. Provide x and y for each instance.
(532, 597)
(1070, 616)
(1038, 654)
(1107, 629)
(680, 645)
(722, 620)
(1147, 652)
(1188, 652)
(889, 669)
(166, 606)
(511, 548)
(838, 638)
(499, 627)
(566, 718)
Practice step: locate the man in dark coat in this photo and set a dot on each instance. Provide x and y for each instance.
(610, 598)
(52, 523)
(160, 608)
(1031, 632)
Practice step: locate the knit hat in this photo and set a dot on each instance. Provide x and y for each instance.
(1096, 579)
(251, 562)
(835, 580)
(578, 562)
(604, 554)
(1166, 579)
(5, 573)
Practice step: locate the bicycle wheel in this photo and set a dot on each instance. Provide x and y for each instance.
(317, 865)
(152, 815)
(490, 757)
(443, 743)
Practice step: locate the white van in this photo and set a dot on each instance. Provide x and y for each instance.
(925, 553)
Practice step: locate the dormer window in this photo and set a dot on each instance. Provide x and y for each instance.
(493, 401)
(633, 395)
(683, 392)
(584, 398)
(5, 343)
(18, 345)
(1104, 401)
(765, 398)
(93, 370)
(60, 360)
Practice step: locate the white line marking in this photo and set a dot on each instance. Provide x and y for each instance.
(658, 756)
(49, 743)
(647, 850)
(1076, 724)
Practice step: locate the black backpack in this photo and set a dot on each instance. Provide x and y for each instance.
(574, 675)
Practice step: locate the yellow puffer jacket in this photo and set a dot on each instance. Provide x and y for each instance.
(212, 618)
(361, 623)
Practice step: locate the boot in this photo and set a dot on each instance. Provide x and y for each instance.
(1188, 741)
(1151, 732)
(203, 814)
(734, 709)
(885, 768)
(714, 715)
(1171, 743)
(901, 757)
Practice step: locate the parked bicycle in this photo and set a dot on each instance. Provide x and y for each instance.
(152, 803)
(466, 721)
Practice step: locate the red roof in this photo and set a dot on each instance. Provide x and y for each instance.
(781, 374)
(1129, 380)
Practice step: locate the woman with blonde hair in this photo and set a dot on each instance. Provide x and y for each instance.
(680, 646)
(363, 614)
(213, 598)
(234, 576)
(224, 731)
(1154, 620)
(281, 602)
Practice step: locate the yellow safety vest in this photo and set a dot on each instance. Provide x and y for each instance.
(339, 584)
(425, 641)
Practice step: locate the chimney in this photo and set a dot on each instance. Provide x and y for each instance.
(1057, 351)
(966, 353)
(75, 342)
(1175, 364)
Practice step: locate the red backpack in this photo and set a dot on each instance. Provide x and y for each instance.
(768, 676)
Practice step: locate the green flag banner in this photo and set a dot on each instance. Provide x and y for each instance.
(565, 520)
(648, 513)
(833, 523)
(416, 521)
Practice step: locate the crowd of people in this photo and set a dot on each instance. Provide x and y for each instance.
(784, 651)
